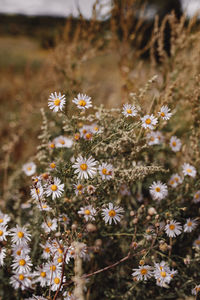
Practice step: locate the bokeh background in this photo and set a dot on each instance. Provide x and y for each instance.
(48, 46)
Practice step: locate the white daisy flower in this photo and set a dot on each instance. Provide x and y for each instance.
(189, 170)
(88, 212)
(20, 250)
(149, 121)
(95, 129)
(91, 189)
(37, 192)
(4, 218)
(175, 144)
(164, 112)
(190, 225)
(143, 273)
(2, 255)
(41, 276)
(158, 190)
(162, 274)
(129, 110)
(82, 101)
(112, 213)
(51, 145)
(84, 130)
(53, 269)
(69, 296)
(51, 225)
(64, 219)
(197, 242)
(3, 232)
(85, 167)
(56, 101)
(196, 290)
(160, 137)
(43, 206)
(175, 180)
(196, 198)
(173, 229)
(55, 189)
(63, 142)
(56, 283)
(52, 165)
(106, 171)
(152, 138)
(22, 264)
(47, 250)
(21, 281)
(88, 136)
(79, 188)
(29, 168)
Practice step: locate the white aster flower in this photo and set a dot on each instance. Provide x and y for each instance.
(47, 250)
(82, 101)
(164, 112)
(63, 142)
(173, 228)
(190, 225)
(85, 167)
(143, 273)
(37, 192)
(21, 281)
(162, 274)
(152, 138)
(129, 110)
(69, 296)
(112, 213)
(52, 269)
(175, 180)
(50, 225)
(55, 189)
(64, 219)
(56, 101)
(43, 206)
(22, 264)
(3, 232)
(56, 283)
(149, 121)
(79, 188)
(196, 198)
(175, 144)
(196, 290)
(88, 212)
(91, 189)
(106, 171)
(20, 250)
(158, 190)
(95, 129)
(197, 242)
(2, 255)
(4, 218)
(189, 170)
(29, 168)
(41, 276)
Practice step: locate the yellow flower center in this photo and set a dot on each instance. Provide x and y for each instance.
(112, 213)
(62, 142)
(196, 196)
(157, 189)
(20, 234)
(29, 168)
(197, 242)
(171, 182)
(43, 274)
(60, 250)
(104, 171)
(56, 280)
(88, 136)
(1, 232)
(148, 121)
(83, 167)
(189, 224)
(163, 274)
(60, 259)
(54, 187)
(79, 187)
(87, 212)
(162, 114)
(47, 250)
(1, 220)
(96, 128)
(189, 170)
(77, 136)
(174, 144)
(18, 252)
(64, 218)
(52, 145)
(152, 138)
(37, 191)
(82, 103)
(57, 102)
(21, 277)
(176, 179)
(143, 271)
(49, 224)
(172, 227)
(53, 165)
(53, 268)
(44, 206)
(22, 262)
(129, 111)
